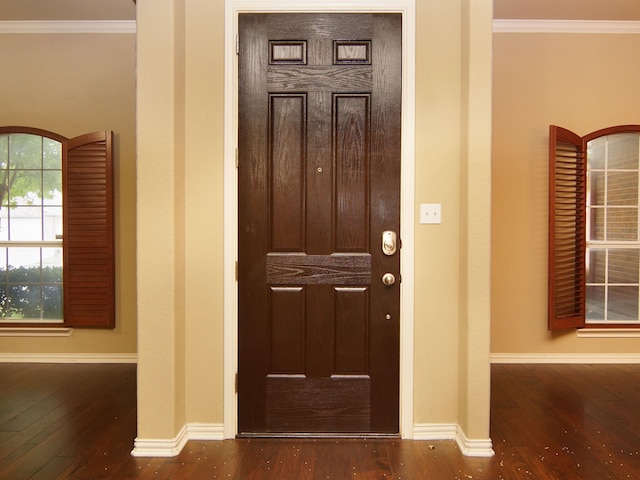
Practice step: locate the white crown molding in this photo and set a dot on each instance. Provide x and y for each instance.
(566, 358)
(68, 358)
(67, 26)
(565, 26)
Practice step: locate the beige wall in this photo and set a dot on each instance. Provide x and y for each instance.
(180, 105)
(583, 82)
(180, 108)
(568, 9)
(72, 84)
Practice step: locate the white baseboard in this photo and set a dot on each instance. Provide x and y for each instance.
(204, 431)
(451, 431)
(68, 358)
(435, 431)
(160, 447)
(172, 447)
(568, 358)
(474, 447)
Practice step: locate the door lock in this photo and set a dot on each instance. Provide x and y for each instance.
(389, 240)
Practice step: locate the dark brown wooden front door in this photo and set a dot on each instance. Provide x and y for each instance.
(319, 183)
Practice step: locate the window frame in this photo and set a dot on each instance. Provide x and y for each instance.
(88, 241)
(567, 227)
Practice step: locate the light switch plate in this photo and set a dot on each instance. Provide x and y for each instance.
(430, 213)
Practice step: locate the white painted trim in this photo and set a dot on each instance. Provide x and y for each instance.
(435, 431)
(160, 447)
(450, 431)
(474, 447)
(608, 333)
(230, 240)
(173, 446)
(408, 10)
(565, 26)
(68, 358)
(205, 431)
(568, 358)
(67, 26)
(35, 332)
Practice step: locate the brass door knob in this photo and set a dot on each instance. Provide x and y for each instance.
(388, 279)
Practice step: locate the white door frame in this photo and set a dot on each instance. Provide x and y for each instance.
(407, 194)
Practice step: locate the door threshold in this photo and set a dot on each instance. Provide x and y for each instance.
(316, 436)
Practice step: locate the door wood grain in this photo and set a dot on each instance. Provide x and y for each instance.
(319, 181)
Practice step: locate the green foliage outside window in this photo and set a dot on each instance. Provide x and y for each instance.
(30, 191)
(32, 293)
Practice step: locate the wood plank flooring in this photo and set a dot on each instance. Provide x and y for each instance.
(564, 422)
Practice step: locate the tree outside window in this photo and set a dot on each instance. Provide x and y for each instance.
(30, 228)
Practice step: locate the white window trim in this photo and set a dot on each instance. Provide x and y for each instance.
(608, 332)
(608, 244)
(36, 332)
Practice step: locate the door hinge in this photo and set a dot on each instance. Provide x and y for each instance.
(236, 270)
(237, 158)
(236, 382)
(237, 44)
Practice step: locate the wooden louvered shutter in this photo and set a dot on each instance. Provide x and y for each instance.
(567, 229)
(88, 241)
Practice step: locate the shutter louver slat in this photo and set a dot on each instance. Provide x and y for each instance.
(89, 260)
(567, 228)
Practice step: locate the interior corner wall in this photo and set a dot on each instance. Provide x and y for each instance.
(580, 81)
(437, 173)
(72, 84)
(204, 256)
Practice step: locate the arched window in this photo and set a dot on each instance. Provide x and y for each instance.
(56, 229)
(594, 234)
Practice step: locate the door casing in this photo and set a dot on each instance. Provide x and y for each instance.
(407, 195)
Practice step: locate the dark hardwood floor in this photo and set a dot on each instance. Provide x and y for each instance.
(548, 422)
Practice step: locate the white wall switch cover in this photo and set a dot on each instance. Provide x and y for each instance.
(430, 213)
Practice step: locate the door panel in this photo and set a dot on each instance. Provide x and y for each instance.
(319, 181)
